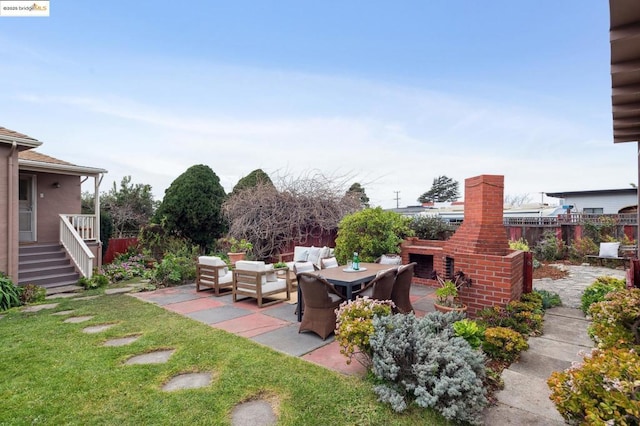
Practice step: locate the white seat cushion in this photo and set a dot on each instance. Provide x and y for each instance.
(251, 265)
(279, 285)
(211, 261)
(271, 274)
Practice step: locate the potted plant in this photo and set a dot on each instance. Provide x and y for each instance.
(447, 296)
(236, 249)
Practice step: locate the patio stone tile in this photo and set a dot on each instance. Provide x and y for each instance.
(156, 357)
(283, 311)
(425, 304)
(188, 381)
(216, 315)
(97, 328)
(329, 356)
(173, 298)
(421, 290)
(288, 340)
(122, 341)
(252, 304)
(193, 305)
(251, 325)
(75, 320)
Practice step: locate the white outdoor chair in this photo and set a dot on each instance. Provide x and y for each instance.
(213, 272)
(258, 280)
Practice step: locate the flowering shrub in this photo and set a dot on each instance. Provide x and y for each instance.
(422, 361)
(605, 389)
(598, 289)
(520, 244)
(616, 320)
(125, 268)
(503, 343)
(355, 325)
(581, 247)
(174, 270)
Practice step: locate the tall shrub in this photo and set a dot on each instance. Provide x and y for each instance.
(191, 206)
(371, 233)
(9, 293)
(431, 228)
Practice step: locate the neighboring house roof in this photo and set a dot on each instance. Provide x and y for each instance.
(11, 136)
(592, 192)
(35, 161)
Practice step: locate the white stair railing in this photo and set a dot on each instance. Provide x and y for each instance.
(84, 224)
(76, 247)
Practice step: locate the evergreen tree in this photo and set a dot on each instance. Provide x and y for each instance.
(191, 207)
(443, 189)
(359, 190)
(252, 180)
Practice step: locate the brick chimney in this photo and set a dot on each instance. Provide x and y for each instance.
(482, 230)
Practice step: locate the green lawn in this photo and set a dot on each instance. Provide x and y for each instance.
(52, 373)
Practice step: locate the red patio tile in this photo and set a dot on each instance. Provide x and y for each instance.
(193, 305)
(251, 304)
(251, 325)
(329, 356)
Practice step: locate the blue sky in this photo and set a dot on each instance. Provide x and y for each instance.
(388, 94)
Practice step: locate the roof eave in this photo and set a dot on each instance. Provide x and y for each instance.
(38, 166)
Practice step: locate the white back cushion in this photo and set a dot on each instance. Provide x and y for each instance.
(390, 260)
(303, 267)
(314, 256)
(329, 262)
(250, 265)
(300, 254)
(609, 249)
(211, 261)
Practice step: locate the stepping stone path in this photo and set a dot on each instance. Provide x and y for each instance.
(75, 320)
(97, 328)
(157, 357)
(188, 381)
(123, 341)
(87, 298)
(61, 296)
(36, 308)
(63, 312)
(118, 290)
(253, 413)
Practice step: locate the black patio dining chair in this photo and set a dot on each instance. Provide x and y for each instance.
(320, 299)
(381, 286)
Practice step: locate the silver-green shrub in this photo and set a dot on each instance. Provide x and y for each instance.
(422, 361)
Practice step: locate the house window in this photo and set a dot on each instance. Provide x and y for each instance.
(593, 210)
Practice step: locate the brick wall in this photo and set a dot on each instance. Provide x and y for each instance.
(479, 248)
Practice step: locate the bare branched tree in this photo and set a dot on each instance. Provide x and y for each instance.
(517, 200)
(295, 210)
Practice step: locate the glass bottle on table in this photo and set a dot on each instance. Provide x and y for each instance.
(356, 261)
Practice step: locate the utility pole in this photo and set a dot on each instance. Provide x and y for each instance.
(397, 199)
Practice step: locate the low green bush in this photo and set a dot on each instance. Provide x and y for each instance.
(549, 299)
(421, 361)
(523, 317)
(174, 270)
(96, 281)
(602, 390)
(503, 343)
(616, 320)
(520, 244)
(31, 293)
(470, 331)
(549, 248)
(597, 290)
(582, 247)
(9, 293)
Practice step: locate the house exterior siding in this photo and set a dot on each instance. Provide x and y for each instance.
(610, 203)
(52, 201)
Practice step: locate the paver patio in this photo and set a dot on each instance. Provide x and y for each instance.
(275, 326)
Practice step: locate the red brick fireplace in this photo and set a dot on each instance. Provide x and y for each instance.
(479, 248)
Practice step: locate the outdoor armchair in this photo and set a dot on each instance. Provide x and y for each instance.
(402, 288)
(381, 286)
(257, 280)
(320, 300)
(213, 272)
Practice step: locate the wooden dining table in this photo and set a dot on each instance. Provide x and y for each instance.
(339, 277)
